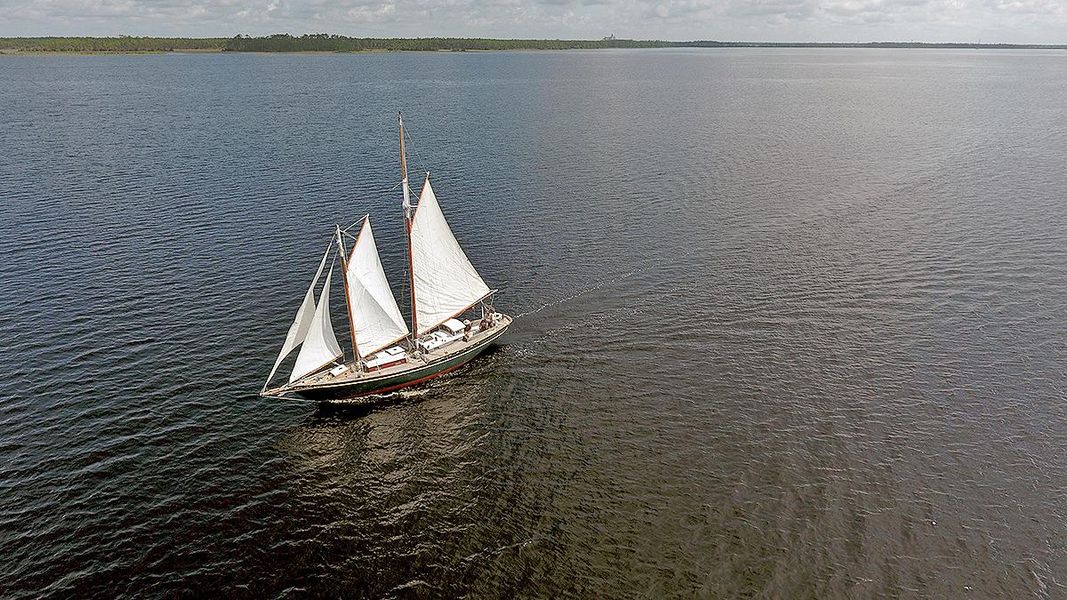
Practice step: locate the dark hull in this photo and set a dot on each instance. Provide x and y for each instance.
(385, 384)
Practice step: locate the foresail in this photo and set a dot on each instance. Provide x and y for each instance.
(445, 282)
(375, 315)
(304, 316)
(320, 346)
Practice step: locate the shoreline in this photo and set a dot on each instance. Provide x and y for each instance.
(332, 44)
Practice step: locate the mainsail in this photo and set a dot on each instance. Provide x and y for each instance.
(320, 345)
(445, 282)
(375, 315)
(299, 329)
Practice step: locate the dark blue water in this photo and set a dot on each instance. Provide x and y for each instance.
(815, 341)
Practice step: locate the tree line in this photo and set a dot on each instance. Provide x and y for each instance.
(322, 42)
(110, 44)
(339, 43)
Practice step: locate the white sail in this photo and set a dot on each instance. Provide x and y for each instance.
(298, 330)
(445, 281)
(375, 315)
(320, 345)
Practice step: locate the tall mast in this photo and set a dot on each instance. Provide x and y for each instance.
(404, 170)
(408, 215)
(348, 303)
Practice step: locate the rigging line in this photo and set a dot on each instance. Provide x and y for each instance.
(415, 151)
(358, 221)
(344, 231)
(603, 283)
(405, 298)
(582, 292)
(333, 261)
(327, 249)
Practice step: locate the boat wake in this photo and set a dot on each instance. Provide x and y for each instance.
(397, 396)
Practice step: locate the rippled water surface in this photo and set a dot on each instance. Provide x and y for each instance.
(813, 342)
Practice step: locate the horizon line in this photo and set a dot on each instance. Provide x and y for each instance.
(537, 39)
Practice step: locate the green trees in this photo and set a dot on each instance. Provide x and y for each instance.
(110, 44)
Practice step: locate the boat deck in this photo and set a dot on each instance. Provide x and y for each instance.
(414, 362)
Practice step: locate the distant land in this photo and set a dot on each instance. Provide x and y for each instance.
(337, 43)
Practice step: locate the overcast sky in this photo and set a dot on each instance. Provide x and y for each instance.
(1035, 21)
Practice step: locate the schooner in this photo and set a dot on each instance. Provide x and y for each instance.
(387, 354)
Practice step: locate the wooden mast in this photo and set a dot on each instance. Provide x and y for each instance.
(408, 216)
(348, 302)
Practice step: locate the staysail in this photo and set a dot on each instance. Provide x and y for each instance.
(299, 329)
(445, 282)
(320, 345)
(375, 315)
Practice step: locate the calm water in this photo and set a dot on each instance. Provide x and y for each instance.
(814, 342)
